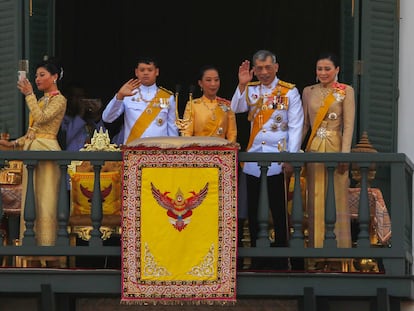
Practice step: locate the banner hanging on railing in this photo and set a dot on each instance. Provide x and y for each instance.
(179, 222)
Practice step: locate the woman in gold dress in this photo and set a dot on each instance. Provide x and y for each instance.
(329, 109)
(210, 115)
(45, 117)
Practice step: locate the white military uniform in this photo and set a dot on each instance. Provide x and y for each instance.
(134, 106)
(281, 132)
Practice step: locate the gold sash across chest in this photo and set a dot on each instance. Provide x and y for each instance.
(329, 100)
(145, 119)
(261, 116)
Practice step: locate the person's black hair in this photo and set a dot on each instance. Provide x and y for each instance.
(203, 70)
(331, 56)
(147, 60)
(52, 64)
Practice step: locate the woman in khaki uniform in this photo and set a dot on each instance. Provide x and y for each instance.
(329, 109)
(45, 117)
(210, 115)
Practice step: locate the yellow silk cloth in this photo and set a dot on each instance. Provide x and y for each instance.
(317, 182)
(189, 254)
(210, 118)
(82, 191)
(179, 224)
(46, 186)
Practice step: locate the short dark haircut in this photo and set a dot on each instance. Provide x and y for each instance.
(147, 60)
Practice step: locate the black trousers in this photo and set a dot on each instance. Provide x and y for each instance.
(276, 195)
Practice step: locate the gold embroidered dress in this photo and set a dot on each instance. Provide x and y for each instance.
(44, 121)
(210, 118)
(334, 134)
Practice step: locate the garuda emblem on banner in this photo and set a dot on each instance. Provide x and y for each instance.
(179, 209)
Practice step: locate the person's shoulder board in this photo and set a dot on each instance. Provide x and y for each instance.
(254, 83)
(286, 84)
(223, 101)
(165, 90)
(196, 101)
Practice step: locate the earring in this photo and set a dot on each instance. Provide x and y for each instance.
(54, 81)
(201, 89)
(336, 77)
(317, 80)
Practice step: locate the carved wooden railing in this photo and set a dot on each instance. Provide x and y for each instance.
(394, 282)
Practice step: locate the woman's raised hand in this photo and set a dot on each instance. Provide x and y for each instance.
(25, 86)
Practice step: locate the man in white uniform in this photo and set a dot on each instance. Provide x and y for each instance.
(276, 115)
(149, 110)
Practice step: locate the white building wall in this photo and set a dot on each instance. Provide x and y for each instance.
(406, 80)
(406, 85)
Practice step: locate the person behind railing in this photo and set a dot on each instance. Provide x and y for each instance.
(149, 110)
(45, 117)
(210, 115)
(276, 116)
(82, 118)
(329, 108)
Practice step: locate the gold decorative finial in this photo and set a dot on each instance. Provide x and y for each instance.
(363, 145)
(100, 142)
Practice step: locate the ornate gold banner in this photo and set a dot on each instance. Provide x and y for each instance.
(179, 225)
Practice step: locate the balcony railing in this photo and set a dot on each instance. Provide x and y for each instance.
(395, 281)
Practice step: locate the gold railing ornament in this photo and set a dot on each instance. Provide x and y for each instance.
(100, 141)
(84, 232)
(182, 123)
(78, 224)
(363, 145)
(366, 265)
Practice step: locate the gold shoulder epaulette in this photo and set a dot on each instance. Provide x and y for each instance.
(286, 84)
(253, 83)
(196, 101)
(165, 90)
(223, 101)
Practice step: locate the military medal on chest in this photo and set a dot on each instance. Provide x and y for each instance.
(267, 102)
(278, 100)
(277, 119)
(164, 103)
